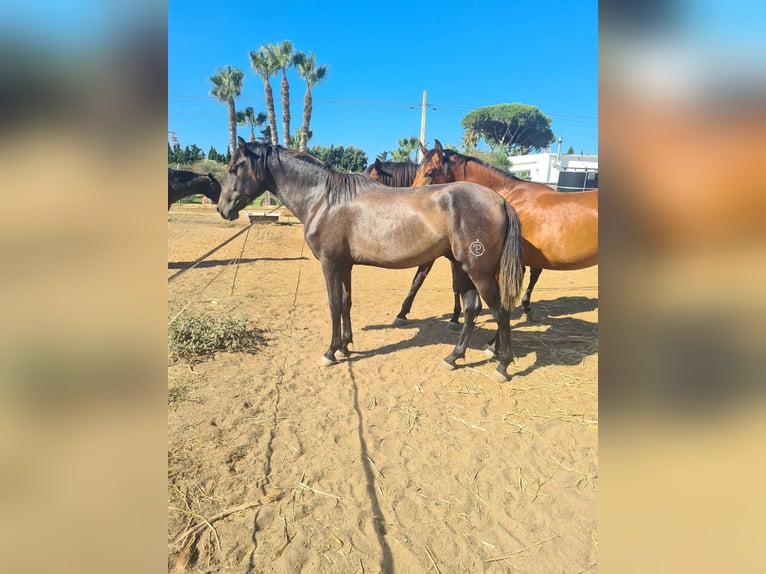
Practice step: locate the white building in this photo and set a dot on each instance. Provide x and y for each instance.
(581, 170)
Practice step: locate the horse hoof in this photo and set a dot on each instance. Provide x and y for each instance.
(489, 353)
(447, 366)
(325, 362)
(454, 327)
(500, 377)
(399, 322)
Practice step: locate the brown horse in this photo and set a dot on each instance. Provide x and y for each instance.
(182, 183)
(350, 219)
(402, 174)
(559, 230)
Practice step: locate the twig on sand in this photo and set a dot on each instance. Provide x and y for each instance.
(315, 491)
(196, 529)
(520, 551)
(431, 558)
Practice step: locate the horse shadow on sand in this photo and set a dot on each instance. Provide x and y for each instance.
(556, 337)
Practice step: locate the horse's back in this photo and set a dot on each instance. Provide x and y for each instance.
(560, 229)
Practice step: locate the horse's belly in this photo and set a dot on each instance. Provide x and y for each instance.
(396, 250)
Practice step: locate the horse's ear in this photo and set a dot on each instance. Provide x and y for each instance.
(423, 149)
(377, 164)
(242, 143)
(438, 145)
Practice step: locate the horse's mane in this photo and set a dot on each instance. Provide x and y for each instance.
(341, 187)
(395, 173)
(463, 160)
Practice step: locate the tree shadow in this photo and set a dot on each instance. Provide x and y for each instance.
(559, 338)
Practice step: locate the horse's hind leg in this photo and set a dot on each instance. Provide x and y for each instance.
(490, 292)
(534, 275)
(346, 337)
(417, 283)
(472, 306)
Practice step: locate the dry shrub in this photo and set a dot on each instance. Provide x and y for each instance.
(193, 337)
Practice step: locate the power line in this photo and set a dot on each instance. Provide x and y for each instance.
(410, 105)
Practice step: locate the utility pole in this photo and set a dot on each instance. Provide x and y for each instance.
(422, 127)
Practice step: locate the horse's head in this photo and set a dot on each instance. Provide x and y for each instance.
(374, 170)
(215, 188)
(244, 180)
(434, 167)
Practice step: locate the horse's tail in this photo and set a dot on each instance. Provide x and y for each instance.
(511, 272)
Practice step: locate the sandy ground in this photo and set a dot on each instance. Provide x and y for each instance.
(384, 462)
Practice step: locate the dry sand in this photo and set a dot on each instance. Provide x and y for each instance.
(384, 462)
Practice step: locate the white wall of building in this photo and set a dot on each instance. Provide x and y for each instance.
(545, 167)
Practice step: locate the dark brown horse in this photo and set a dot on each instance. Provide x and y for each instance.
(559, 230)
(392, 173)
(402, 174)
(182, 183)
(349, 219)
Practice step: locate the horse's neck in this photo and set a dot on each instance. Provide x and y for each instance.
(492, 179)
(299, 189)
(200, 185)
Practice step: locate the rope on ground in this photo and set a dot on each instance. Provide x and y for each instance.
(239, 260)
(177, 274)
(177, 315)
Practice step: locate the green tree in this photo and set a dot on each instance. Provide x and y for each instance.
(192, 153)
(312, 74)
(345, 159)
(213, 155)
(227, 85)
(264, 64)
(282, 54)
(514, 128)
(247, 117)
(570, 151)
(265, 136)
(497, 158)
(175, 154)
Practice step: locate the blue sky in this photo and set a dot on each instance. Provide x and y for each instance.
(381, 56)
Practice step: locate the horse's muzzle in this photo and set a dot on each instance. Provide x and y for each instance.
(227, 212)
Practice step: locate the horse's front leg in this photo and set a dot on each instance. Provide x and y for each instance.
(333, 279)
(454, 322)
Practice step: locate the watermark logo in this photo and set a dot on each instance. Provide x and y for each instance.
(477, 248)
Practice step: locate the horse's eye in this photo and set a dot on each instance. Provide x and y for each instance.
(429, 173)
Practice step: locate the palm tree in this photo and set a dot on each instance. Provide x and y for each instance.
(265, 66)
(295, 139)
(308, 70)
(227, 85)
(247, 117)
(283, 57)
(406, 147)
